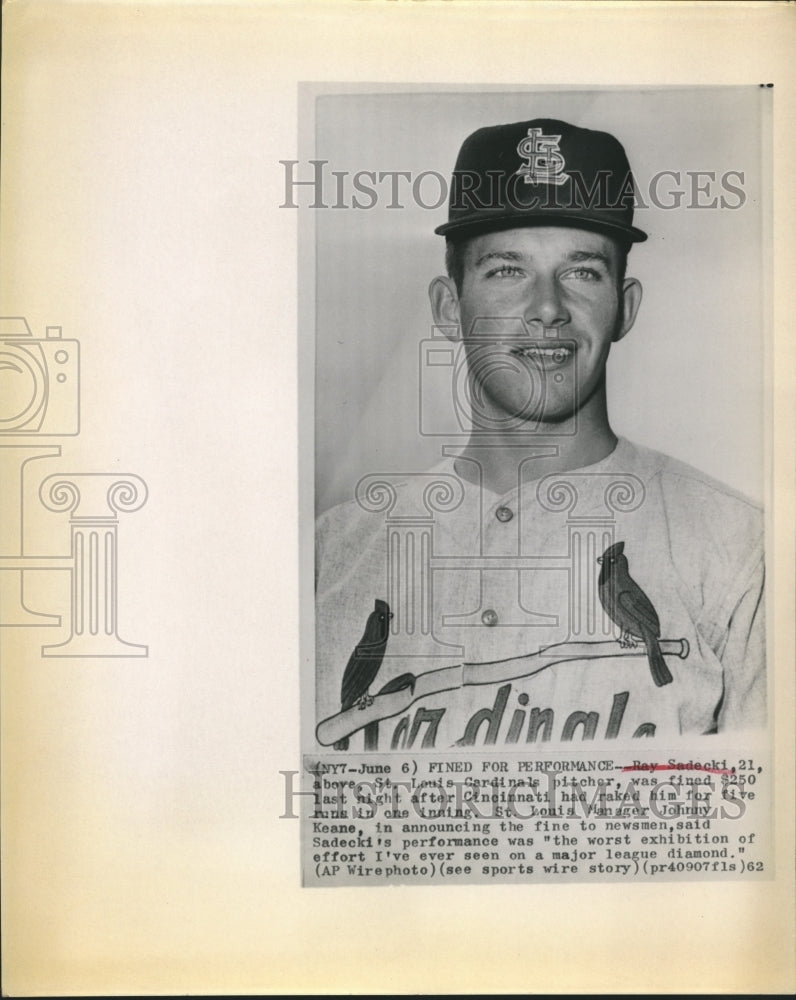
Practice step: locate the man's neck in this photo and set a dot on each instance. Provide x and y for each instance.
(508, 458)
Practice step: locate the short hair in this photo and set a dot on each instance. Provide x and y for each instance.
(456, 252)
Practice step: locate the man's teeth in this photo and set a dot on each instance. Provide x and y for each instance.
(555, 353)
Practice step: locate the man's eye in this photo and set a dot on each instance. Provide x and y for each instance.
(504, 271)
(585, 274)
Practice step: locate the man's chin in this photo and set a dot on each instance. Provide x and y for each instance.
(548, 421)
(553, 411)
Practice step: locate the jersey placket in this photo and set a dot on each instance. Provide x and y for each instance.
(491, 626)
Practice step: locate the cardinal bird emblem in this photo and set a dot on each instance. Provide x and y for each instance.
(628, 606)
(364, 663)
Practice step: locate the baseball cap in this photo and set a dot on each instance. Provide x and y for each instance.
(541, 172)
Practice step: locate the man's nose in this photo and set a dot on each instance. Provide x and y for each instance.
(546, 306)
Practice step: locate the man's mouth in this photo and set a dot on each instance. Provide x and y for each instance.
(545, 354)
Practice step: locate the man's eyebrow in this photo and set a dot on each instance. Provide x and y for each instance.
(580, 256)
(575, 257)
(499, 255)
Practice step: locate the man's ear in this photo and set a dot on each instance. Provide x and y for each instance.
(445, 306)
(631, 298)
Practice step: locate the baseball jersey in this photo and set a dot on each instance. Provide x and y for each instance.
(499, 636)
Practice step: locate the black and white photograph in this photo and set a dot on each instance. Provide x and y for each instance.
(541, 325)
(539, 425)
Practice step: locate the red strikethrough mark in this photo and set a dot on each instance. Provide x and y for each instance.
(678, 767)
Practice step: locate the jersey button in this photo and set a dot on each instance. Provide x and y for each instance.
(504, 514)
(489, 617)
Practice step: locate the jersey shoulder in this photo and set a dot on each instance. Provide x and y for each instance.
(703, 512)
(693, 485)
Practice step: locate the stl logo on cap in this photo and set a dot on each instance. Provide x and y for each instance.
(545, 162)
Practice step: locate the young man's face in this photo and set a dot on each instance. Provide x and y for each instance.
(538, 310)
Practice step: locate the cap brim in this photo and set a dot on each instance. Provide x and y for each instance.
(484, 223)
